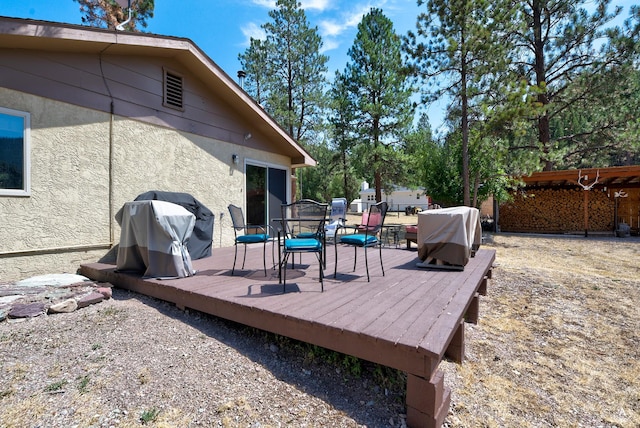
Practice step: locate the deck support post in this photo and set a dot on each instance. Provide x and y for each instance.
(482, 289)
(455, 350)
(427, 401)
(473, 312)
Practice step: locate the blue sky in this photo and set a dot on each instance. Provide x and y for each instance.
(222, 28)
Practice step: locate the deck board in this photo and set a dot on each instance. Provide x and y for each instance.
(410, 306)
(405, 319)
(441, 331)
(451, 282)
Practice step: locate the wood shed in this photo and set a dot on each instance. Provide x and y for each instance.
(593, 200)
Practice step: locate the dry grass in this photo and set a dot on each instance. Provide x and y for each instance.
(558, 342)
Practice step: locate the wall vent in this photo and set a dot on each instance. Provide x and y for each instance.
(173, 90)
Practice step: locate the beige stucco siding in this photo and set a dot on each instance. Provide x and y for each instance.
(68, 205)
(69, 217)
(148, 157)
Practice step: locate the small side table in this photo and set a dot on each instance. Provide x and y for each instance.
(394, 231)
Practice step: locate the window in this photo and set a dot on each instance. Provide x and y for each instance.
(172, 90)
(15, 165)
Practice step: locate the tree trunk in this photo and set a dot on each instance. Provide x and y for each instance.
(345, 178)
(544, 135)
(378, 183)
(465, 125)
(377, 176)
(476, 188)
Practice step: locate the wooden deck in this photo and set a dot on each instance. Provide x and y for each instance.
(409, 319)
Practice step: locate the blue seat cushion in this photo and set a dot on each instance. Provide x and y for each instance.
(302, 244)
(250, 239)
(307, 235)
(358, 239)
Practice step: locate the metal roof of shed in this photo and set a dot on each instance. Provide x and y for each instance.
(618, 177)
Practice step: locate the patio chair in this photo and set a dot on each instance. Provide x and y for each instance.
(337, 218)
(262, 236)
(366, 236)
(303, 232)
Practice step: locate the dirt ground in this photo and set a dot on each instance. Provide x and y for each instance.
(557, 345)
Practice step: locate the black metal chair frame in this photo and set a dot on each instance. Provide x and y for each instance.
(365, 236)
(237, 218)
(302, 232)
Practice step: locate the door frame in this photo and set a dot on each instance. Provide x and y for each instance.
(267, 166)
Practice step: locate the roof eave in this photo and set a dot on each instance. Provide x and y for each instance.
(32, 34)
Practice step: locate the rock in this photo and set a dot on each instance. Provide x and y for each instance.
(66, 306)
(105, 291)
(70, 291)
(90, 299)
(53, 280)
(27, 310)
(8, 290)
(7, 300)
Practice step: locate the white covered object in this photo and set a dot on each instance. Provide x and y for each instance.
(449, 235)
(153, 239)
(337, 218)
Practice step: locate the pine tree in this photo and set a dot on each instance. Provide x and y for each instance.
(379, 93)
(109, 14)
(561, 38)
(286, 74)
(341, 122)
(254, 64)
(288, 71)
(464, 44)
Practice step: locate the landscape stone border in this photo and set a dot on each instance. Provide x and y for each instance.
(50, 294)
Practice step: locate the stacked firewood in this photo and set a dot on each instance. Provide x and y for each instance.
(556, 211)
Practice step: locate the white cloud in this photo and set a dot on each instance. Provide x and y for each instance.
(330, 28)
(271, 4)
(348, 20)
(333, 29)
(319, 5)
(253, 31)
(329, 44)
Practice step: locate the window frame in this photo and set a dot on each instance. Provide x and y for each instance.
(26, 153)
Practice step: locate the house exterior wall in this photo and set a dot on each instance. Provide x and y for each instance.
(101, 135)
(65, 220)
(86, 165)
(130, 85)
(148, 157)
(398, 200)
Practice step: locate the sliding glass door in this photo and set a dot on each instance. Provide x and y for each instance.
(266, 192)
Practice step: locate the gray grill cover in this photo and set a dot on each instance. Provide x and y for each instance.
(153, 239)
(199, 244)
